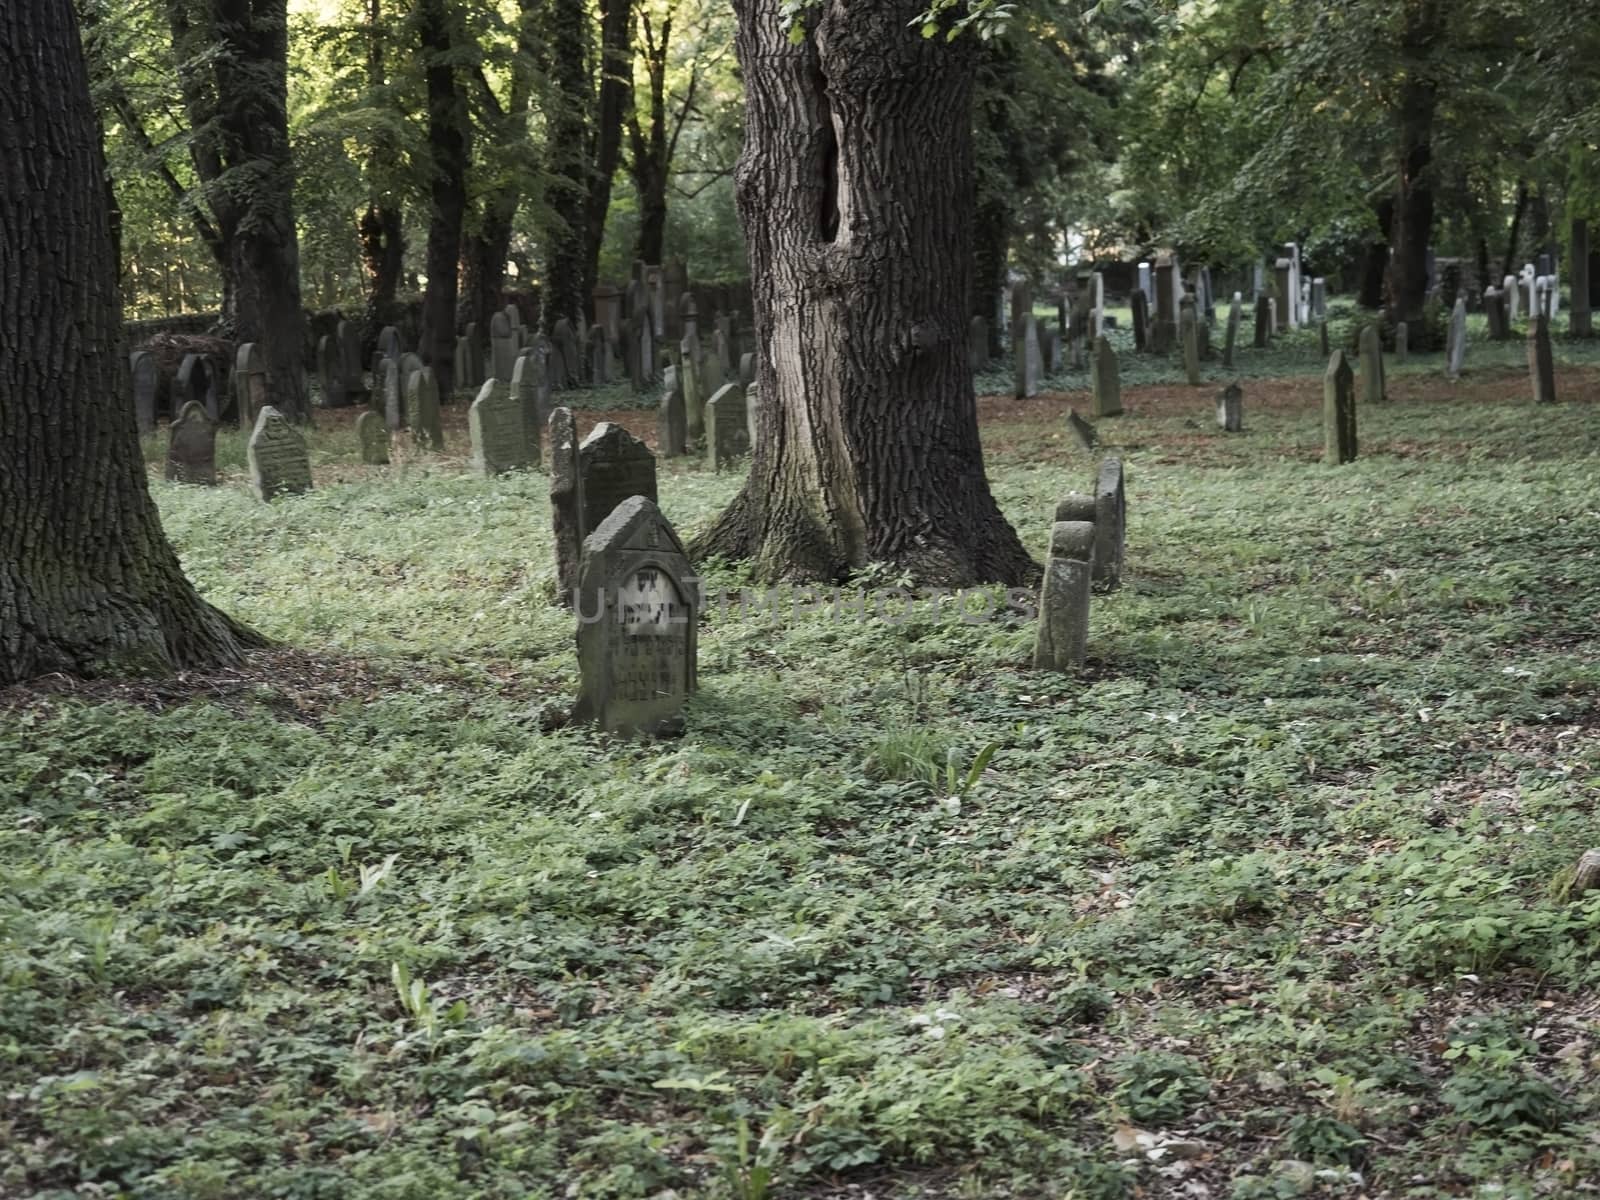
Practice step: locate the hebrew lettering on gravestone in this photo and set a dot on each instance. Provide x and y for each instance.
(280, 465)
(638, 615)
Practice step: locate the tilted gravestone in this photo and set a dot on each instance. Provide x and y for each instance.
(1110, 523)
(612, 466)
(330, 373)
(1083, 431)
(530, 387)
(502, 346)
(1231, 339)
(638, 614)
(1063, 631)
(1105, 377)
(374, 438)
(499, 431)
(566, 517)
(422, 410)
(192, 446)
(727, 427)
(671, 428)
(279, 462)
(978, 344)
(249, 383)
(1230, 409)
(146, 373)
(1025, 351)
(1370, 349)
(1338, 412)
(1541, 359)
(1456, 354)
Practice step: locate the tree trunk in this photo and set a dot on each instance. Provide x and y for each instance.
(1413, 204)
(381, 228)
(566, 257)
(447, 151)
(616, 88)
(1375, 265)
(483, 263)
(649, 160)
(1515, 234)
(992, 238)
(88, 582)
(855, 189)
(252, 110)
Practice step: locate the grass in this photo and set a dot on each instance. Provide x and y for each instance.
(1270, 901)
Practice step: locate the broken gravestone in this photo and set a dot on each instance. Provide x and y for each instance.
(1063, 630)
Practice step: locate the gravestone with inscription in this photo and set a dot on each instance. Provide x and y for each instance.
(192, 446)
(638, 613)
(727, 427)
(374, 438)
(612, 466)
(499, 431)
(279, 462)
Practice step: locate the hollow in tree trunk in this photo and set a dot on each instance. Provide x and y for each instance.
(88, 582)
(855, 190)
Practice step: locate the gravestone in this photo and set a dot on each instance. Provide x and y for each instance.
(1508, 289)
(1083, 431)
(977, 345)
(1338, 412)
(1402, 341)
(389, 343)
(1141, 321)
(1288, 293)
(146, 373)
(711, 377)
(694, 399)
(1322, 339)
(499, 431)
(374, 438)
(1494, 310)
(410, 364)
(720, 351)
(747, 366)
(565, 503)
(1231, 338)
(394, 400)
(197, 382)
(1105, 379)
(727, 427)
(502, 347)
(608, 311)
(1371, 355)
(1188, 330)
(645, 352)
(279, 462)
(1580, 321)
(599, 356)
(1230, 409)
(348, 337)
(671, 427)
(1062, 639)
(330, 373)
(752, 413)
(612, 466)
(1110, 523)
(532, 394)
(1456, 354)
(422, 411)
(1025, 350)
(1319, 299)
(249, 383)
(1263, 322)
(192, 446)
(638, 615)
(1541, 360)
(463, 365)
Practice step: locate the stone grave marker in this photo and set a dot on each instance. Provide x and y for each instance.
(1230, 409)
(1063, 632)
(198, 383)
(1105, 378)
(638, 615)
(410, 364)
(1456, 353)
(249, 383)
(1190, 333)
(612, 466)
(348, 337)
(671, 422)
(1141, 320)
(694, 399)
(146, 376)
(599, 356)
(330, 373)
(1083, 431)
(1371, 355)
(1110, 523)
(1025, 351)
(532, 392)
(502, 347)
(711, 377)
(374, 437)
(389, 343)
(565, 503)
(1541, 359)
(1402, 341)
(1322, 338)
(192, 446)
(422, 410)
(747, 365)
(1263, 322)
(1338, 412)
(499, 431)
(727, 427)
(1494, 310)
(279, 462)
(566, 346)
(394, 400)
(1231, 338)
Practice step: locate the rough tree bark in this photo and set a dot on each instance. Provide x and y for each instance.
(88, 582)
(447, 163)
(855, 190)
(253, 125)
(1413, 201)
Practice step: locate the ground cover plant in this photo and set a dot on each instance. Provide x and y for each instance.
(1270, 902)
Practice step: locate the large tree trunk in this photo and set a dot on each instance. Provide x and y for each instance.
(650, 158)
(88, 583)
(855, 190)
(616, 89)
(483, 262)
(447, 152)
(566, 259)
(252, 106)
(381, 228)
(1413, 202)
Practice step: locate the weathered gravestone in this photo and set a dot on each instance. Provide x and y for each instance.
(1371, 354)
(1494, 310)
(1508, 288)
(374, 438)
(389, 343)
(1541, 359)
(720, 351)
(727, 427)
(279, 462)
(977, 344)
(1402, 341)
(422, 410)
(1110, 523)
(410, 364)
(694, 398)
(249, 383)
(1456, 352)
(1189, 332)
(671, 428)
(146, 374)
(752, 412)
(502, 347)
(394, 400)
(330, 373)
(1322, 339)
(1025, 350)
(1063, 631)
(499, 431)
(1230, 409)
(711, 376)
(1338, 412)
(612, 466)
(532, 394)
(1231, 338)
(565, 503)
(1105, 377)
(1050, 351)
(1263, 322)
(192, 446)
(638, 614)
